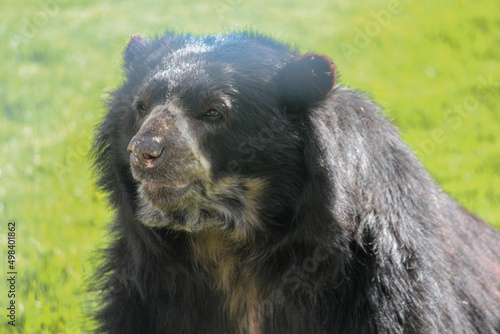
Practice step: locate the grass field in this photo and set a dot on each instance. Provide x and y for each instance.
(433, 64)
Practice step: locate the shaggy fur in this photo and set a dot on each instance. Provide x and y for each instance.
(254, 195)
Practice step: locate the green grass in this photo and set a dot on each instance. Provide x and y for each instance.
(434, 66)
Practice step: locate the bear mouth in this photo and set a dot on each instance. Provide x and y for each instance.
(173, 186)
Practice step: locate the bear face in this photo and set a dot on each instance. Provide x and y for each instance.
(215, 131)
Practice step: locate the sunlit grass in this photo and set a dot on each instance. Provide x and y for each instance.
(423, 62)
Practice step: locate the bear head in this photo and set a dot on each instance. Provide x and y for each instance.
(211, 129)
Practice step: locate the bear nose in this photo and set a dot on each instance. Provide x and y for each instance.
(146, 152)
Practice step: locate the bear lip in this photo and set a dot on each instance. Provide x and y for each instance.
(168, 185)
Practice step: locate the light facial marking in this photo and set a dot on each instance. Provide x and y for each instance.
(180, 67)
(181, 122)
(157, 139)
(193, 48)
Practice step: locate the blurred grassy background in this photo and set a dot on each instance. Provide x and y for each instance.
(433, 64)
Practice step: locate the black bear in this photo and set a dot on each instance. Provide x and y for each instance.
(253, 194)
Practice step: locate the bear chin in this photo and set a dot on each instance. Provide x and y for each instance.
(231, 204)
(164, 204)
(161, 194)
(153, 216)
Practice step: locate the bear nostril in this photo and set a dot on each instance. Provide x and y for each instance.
(152, 159)
(152, 155)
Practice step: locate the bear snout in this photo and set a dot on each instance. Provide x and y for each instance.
(146, 152)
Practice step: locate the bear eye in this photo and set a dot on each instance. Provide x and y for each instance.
(212, 114)
(142, 108)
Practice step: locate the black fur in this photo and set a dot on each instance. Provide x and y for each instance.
(354, 236)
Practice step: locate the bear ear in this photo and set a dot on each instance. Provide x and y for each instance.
(134, 49)
(308, 79)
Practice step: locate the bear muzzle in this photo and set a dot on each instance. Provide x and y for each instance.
(146, 152)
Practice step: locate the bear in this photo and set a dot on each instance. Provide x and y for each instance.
(254, 194)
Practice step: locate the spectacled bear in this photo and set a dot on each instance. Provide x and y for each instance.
(253, 194)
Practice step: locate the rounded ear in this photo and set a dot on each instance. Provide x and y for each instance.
(308, 79)
(134, 49)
